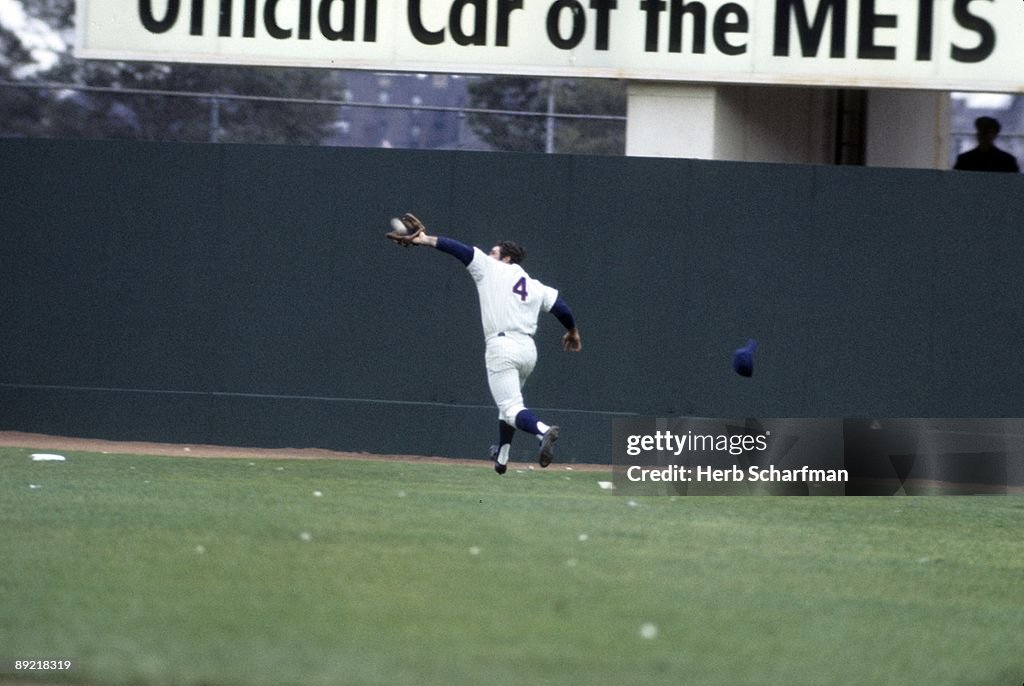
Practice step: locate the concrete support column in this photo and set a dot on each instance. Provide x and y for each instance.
(908, 129)
(670, 120)
(746, 123)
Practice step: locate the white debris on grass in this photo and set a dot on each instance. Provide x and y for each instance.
(306, 536)
(648, 630)
(571, 562)
(606, 485)
(401, 494)
(200, 549)
(34, 486)
(474, 550)
(318, 494)
(582, 538)
(47, 457)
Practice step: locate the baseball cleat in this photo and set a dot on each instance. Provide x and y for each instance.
(498, 467)
(547, 446)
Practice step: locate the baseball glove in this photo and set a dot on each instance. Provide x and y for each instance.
(404, 230)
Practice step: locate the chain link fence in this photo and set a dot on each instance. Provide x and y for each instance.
(65, 110)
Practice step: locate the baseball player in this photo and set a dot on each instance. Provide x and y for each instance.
(510, 304)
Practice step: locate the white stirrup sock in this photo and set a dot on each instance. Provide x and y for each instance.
(543, 428)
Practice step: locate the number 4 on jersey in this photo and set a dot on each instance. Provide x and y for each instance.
(520, 288)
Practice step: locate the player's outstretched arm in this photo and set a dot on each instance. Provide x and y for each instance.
(409, 230)
(460, 251)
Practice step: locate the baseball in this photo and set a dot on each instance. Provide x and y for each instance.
(398, 226)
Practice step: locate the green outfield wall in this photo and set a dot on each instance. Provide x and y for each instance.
(245, 294)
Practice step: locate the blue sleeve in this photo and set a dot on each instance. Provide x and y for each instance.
(563, 314)
(462, 252)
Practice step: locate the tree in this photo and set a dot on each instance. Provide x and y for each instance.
(28, 45)
(124, 113)
(529, 133)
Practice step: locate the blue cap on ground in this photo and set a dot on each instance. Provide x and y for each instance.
(743, 359)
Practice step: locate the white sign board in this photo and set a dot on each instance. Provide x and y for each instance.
(936, 44)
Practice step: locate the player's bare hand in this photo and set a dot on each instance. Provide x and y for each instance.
(571, 341)
(423, 239)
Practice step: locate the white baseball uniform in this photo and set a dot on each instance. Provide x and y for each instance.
(510, 304)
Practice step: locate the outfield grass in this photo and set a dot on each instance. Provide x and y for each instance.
(189, 571)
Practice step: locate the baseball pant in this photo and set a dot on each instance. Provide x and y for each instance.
(510, 358)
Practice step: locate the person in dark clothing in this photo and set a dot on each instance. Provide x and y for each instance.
(986, 157)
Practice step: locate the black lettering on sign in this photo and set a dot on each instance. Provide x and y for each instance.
(478, 35)
(154, 25)
(270, 21)
(348, 20)
(652, 8)
(603, 9)
(730, 18)
(419, 31)
(724, 25)
(870, 20)
(698, 15)
(972, 22)
(224, 26)
(249, 19)
(467, 22)
(579, 24)
(810, 34)
(505, 8)
(925, 22)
